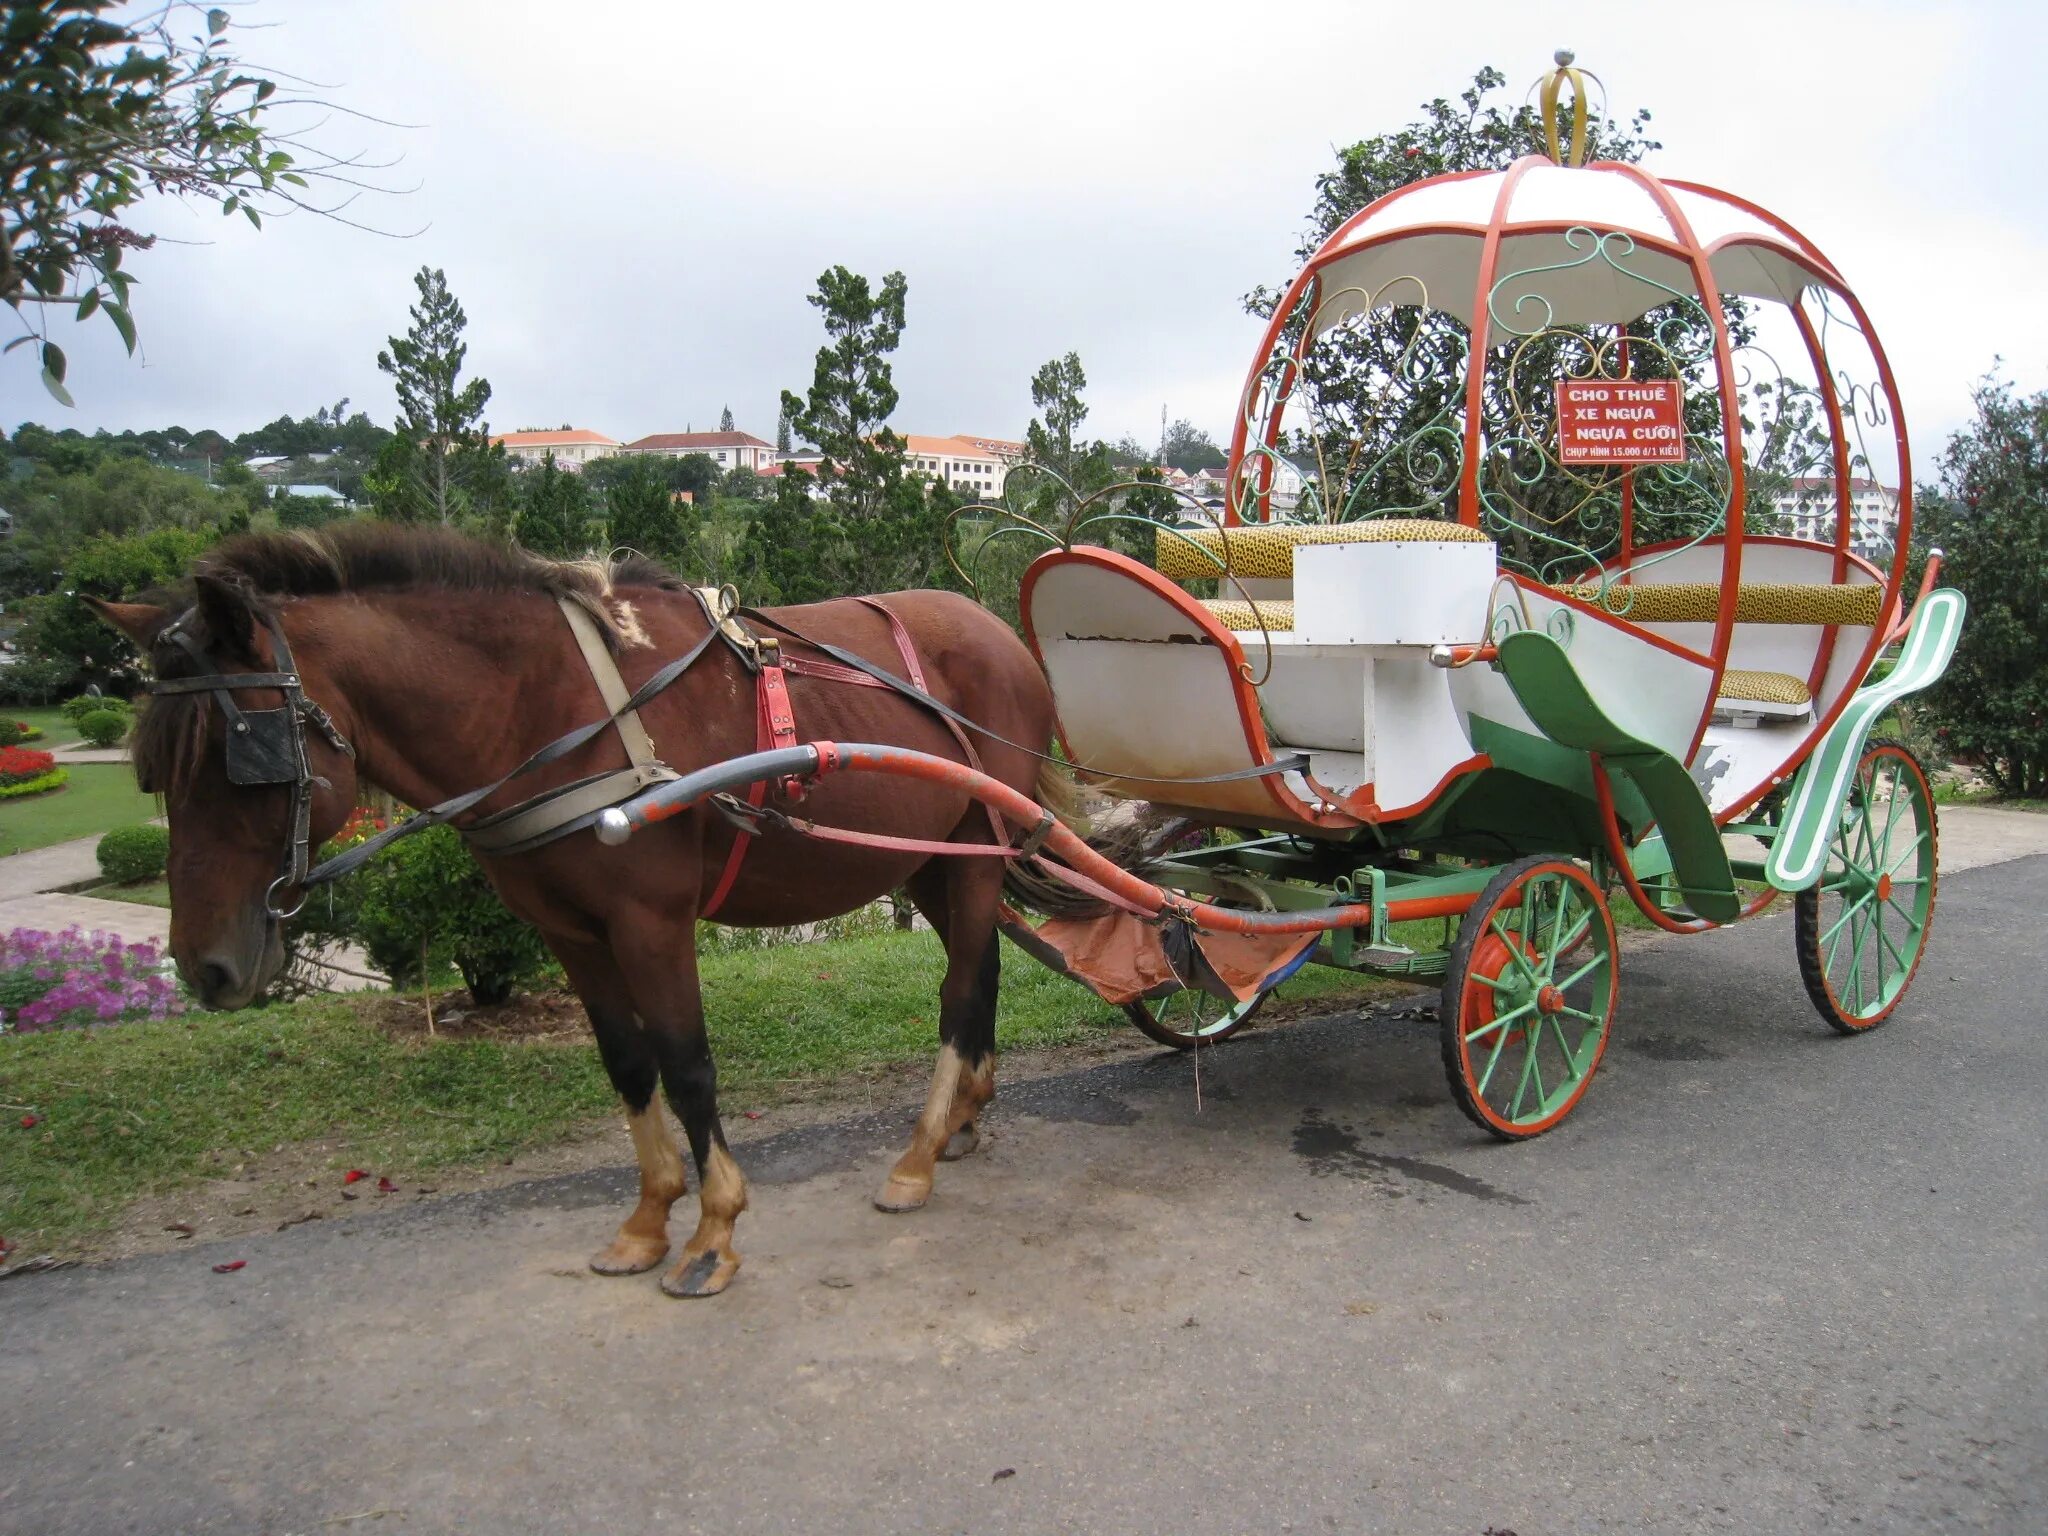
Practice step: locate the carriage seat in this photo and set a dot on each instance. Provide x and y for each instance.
(1758, 602)
(1265, 551)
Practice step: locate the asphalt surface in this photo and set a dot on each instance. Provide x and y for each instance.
(1764, 1279)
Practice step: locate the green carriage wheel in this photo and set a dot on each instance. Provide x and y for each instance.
(1528, 1000)
(1862, 926)
(1192, 1017)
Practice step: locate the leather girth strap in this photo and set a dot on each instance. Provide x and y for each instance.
(532, 822)
(776, 727)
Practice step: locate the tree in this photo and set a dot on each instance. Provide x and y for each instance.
(782, 449)
(845, 413)
(441, 416)
(1989, 516)
(554, 512)
(1190, 450)
(59, 629)
(644, 513)
(725, 420)
(98, 113)
(785, 556)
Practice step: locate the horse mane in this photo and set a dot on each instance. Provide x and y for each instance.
(364, 555)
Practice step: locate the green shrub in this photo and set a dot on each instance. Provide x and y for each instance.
(104, 727)
(128, 854)
(14, 732)
(75, 710)
(425, 901)
(34, 679)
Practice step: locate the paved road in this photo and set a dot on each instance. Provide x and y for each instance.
(1765, 1279)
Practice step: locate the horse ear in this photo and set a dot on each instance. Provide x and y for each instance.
(224, 605)
(140, 622)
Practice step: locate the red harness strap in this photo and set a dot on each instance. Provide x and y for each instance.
(776, 727)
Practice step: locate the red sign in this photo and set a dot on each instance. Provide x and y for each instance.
(1620, 421)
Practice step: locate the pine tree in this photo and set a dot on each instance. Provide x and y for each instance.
(725, 420)
(786, 556)
(845, 414)
(442, 416)
(554, 512)
(643, 514)
(782, 447)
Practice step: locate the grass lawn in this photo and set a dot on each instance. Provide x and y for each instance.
(143, 893)
(57, 731)
(99, 796)
(143, 1108)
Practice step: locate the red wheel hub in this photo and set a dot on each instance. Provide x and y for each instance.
(1550, 1000)
(1493, 959)
(1884, 887)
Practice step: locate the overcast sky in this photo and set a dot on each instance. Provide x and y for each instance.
(633, 199)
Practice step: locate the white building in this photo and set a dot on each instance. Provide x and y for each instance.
(973, 466)
(573, 447)
(728, 450)
(1806, 510)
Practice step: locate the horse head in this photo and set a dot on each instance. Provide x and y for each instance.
(242, 777)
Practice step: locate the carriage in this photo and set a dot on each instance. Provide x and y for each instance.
(1579, 599)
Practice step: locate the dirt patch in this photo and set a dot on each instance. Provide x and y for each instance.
(552, 1017)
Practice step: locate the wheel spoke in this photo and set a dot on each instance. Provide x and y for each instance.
(1571, 1053)
(1595, 1019)
(1835, 928)
(1564, 904)
(1582, 972)
(1496, 1023)
(1492, 1061)
(1514, 949)
(1522, 1085)
(1907, 917)
(1858, 933)
(1911, 848)
(1897, 958)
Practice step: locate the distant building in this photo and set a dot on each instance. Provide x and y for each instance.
(313, 493)
(973, 466)
(573, 447)
(728, 450)
(1805, 509)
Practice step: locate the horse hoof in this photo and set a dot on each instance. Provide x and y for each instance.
(960, 1143)
(628, 1256)
(704, 1274)
(901, 1194)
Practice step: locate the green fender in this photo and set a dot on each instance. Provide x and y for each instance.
(1554, 696)
(1814, 807)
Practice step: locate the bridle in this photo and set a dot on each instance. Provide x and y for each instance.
(265, 746)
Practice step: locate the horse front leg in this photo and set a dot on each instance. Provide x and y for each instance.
(963, 912)
(659, 958)
(627, 1050)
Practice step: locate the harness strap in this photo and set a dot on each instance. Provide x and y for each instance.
(345, 863)
(774, 726)
(553, 813)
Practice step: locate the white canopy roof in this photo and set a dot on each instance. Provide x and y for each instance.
(1424, 243)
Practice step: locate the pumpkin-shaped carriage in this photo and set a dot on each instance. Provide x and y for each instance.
(1573, 577)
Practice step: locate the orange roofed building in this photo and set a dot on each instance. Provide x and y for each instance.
(572, 447)
(973, 466)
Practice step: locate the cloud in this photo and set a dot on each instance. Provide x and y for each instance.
(632, 200)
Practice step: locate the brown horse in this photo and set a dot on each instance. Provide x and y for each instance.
(442, 662)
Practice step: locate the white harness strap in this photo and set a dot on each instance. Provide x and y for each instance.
(533, 821)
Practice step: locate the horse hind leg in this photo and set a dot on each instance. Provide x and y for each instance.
(964, 1079)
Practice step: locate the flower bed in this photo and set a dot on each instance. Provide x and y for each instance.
(25, 771)
(70, 979)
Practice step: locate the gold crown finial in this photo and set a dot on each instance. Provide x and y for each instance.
(1572, 152)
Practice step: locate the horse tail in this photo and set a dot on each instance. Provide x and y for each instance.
(1125, 833)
